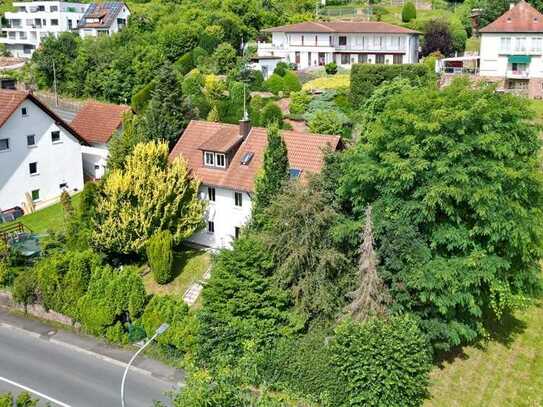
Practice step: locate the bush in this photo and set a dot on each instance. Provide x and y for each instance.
(184, 64)
(336, 82)
(160, 256)
(409, 12)
(281, 68)
(274, 84)
(382, 362)
(299, 102)
(331, 68)
(24, 399)
(142, 97)
(365, 78)
(24, 288)
(291, 83)
(255, 110)
(271, 114)
(225, 57)
(326, 122)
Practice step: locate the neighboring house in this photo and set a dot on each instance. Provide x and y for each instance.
(97, 123)
(32, 21)
(511, 51)
(103, 19)
(226, 159)
(40, 154)
(311, 44)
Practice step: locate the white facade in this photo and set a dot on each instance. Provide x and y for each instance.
(95, 160)
(42, 160)
(318, 49)
(35, 20)
(118, 24)
(225, 214)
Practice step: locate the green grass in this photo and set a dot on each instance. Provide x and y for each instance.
(537, 107)
(190, 265)
(50, 218)
(505, 371)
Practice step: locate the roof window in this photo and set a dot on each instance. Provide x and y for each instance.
(294, 173)
(247, 157)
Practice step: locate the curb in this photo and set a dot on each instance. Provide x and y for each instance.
(21, 330)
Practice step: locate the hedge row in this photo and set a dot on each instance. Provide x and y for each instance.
(366, 77)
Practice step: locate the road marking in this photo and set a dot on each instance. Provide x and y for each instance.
(37, 393)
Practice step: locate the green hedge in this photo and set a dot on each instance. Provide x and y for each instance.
(366, 77)
(160, 256)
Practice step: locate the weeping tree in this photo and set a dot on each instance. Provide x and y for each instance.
(371, 297)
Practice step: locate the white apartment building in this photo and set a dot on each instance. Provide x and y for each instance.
(512, 51)
(226, 159)
(103, 19)
(40, 155)
(311, 44)
(32, 21)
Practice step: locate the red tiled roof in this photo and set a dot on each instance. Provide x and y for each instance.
(223, 140)
(342, 27)
(10, 100)
(97, 122)
(522, 18)
(305, 152)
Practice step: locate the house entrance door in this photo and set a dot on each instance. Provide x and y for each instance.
(322, 58)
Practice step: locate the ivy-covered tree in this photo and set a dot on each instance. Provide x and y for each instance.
(274, 173)
(454, 179)
(148, 195)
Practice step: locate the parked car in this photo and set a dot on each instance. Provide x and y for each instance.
(11, 214)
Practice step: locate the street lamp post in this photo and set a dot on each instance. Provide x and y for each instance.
(160, 330)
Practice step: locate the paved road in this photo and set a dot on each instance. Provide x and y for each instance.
(71, 377)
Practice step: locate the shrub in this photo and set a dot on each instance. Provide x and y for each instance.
(299, 102)
(198, 54)
(255, 110)
(335, 82)
(365, 78)
(184, 64)
(291, 83)
(117, 334)
(160, 256)
(225, 57)
(391, 353)
(271, 114)
(274, 84)
(409, 12)
(24, 288)
(281, 68)
(142, 97)
(331, 68)
(326, 122)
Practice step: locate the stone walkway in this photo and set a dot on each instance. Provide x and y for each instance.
(193, 292)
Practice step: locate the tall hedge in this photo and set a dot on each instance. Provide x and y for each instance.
(366, 77)
(160, 256)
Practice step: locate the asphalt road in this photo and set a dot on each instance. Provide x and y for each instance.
(73, 378)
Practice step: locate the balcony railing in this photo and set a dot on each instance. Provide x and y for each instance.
(518, 74)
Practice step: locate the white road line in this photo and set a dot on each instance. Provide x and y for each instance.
(37, 393)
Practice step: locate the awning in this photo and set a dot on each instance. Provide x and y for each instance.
(519, 59)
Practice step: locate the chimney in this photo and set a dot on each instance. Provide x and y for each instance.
(244, 126)
(511, 5)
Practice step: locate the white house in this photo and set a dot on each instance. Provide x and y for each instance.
(34, 20)
(226, 159)
(311, 44)
(97, 123)
(512, 51)
(40, 155)
(103, 19)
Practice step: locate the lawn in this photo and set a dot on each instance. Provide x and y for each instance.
(506, 371)
(50, 218)
(537, 107)
(190, 265)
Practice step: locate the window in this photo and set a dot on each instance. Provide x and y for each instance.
(537, 44)
(294, 173)
(53, 9)
(4, 144)
(209, 158)
(362, 58)
(33, 168)
(35, 195)
(520, 44)
(238, 198)
(24, 111)
(331, 40)
(505, 43)
(55, 136)
(342, 41)
(302, 40)
(397, 59)
(63, 186)
(210, 227)
(31, 140)
(344, 59)
(237, 232)
(54, 21)
(96, 166)
(316, 40)
(379, 59)
(211, 194)
(221, 160)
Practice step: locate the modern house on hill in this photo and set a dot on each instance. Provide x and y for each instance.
(226, 159)
(512, 51)
(97, 123)
(311, 44)
(34, 20)
(40, 154)
(103, 19)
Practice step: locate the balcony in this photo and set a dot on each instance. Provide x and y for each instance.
(518, 74)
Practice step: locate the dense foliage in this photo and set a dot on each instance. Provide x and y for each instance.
(160, 256)
(409, 12)
(437, 38)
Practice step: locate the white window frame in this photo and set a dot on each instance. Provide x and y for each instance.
(209, 159)
(505, 44)
(30, 170)
(223, 159)
(8, 149)
(211, 193)
(537, 44)
(210, 227)
(32, 195)
(236, 195)
(59, 137)
(24, 111)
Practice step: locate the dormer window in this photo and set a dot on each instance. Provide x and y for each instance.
(209, 158)
(220, 160)
(212, 159)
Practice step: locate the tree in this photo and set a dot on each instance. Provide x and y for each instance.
(275, 172)
(326, 122)
(409, 12)
(271, 115)
(122, 143)
(437, 37)
(291, 83)
(274, 84)
(299, 101)
(149, 195)
(167, 114)
(331, 68)
(24, 288)
(225, 56)
(454, 178)
(160, 256)
(371, 295)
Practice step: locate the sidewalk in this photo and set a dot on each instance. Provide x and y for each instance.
(90, 345)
